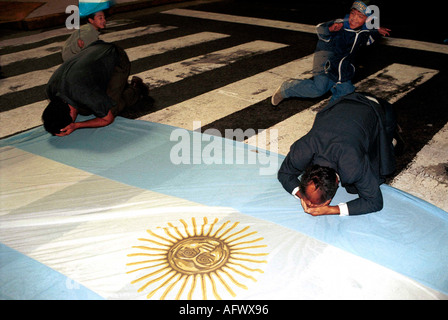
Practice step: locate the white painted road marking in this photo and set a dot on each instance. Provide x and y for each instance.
(236, 96)
(41, 77)
(180, 70)
(300, 27)
(41, 36)
(379, 84)
(55, 47)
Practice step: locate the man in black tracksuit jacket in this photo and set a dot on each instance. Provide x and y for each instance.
(333, 65)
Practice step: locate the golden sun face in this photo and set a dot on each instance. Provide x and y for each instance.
(182, 262)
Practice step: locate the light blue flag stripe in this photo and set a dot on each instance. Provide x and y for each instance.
(23, 278)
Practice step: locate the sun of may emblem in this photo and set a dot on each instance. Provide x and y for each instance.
(189, 261)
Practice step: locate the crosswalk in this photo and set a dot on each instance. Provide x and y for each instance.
(50, 48)
(391, 83)
(230, 98)
(299, 124)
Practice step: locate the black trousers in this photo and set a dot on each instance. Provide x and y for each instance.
(119, 89)
(390, 121)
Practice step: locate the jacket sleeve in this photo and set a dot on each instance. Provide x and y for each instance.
(370, 197)
(298, 158)
(322, 30)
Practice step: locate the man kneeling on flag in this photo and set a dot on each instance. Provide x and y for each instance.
(95, 81)
(351, 143)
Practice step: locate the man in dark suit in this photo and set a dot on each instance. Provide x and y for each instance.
(94, 81)
(351, 143)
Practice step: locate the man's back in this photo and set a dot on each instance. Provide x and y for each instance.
(82, 80)
(348, 136)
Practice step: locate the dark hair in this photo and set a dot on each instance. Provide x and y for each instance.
(56, 116)
(324, 179)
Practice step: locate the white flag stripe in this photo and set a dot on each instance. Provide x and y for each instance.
(180, 70)
(236, 96)
(41, 77)
(396, 42)
(38, 37)
(378, 84)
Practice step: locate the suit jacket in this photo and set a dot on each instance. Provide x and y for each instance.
(349, 136)
(82, 80)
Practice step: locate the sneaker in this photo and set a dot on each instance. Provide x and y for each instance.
(277, 97)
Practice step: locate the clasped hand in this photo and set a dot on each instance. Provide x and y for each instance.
(319, 210)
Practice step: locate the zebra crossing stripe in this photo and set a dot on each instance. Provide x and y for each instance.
(38, 37)
(292, 26)
(21, 119)
(55, 47)
(41, 77)
(405, 79)
(134, 32)
(174, 72)
(416, 45)
(236, 96)
(426, 170)
(151, 49)
(26, 80)
(35, 53)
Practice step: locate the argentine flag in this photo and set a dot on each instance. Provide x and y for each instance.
(87, 7)
(110, 213)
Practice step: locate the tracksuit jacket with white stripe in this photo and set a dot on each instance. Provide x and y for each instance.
(338, 49)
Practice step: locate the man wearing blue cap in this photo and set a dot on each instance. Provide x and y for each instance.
(333, 69)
